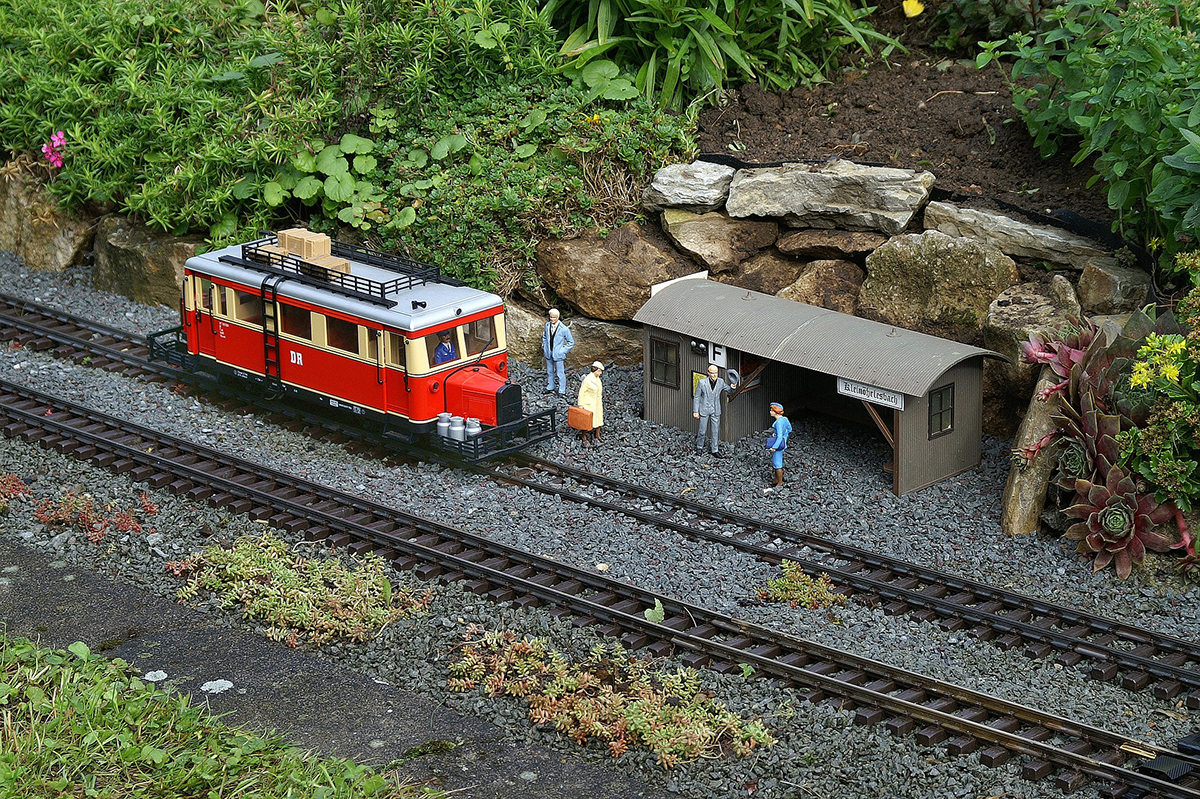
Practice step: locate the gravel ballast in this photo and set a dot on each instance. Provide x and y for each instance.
(835, 486)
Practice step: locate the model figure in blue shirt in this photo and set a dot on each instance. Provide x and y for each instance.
(781, 428)
(445, 351)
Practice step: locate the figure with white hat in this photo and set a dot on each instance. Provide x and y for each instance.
(591, 397)
(557, 343)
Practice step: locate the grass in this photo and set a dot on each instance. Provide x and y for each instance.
(73, 724)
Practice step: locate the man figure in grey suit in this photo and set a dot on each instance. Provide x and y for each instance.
(706, 406)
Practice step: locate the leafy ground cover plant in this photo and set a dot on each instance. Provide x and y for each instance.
(617, 699)
(474, 184)
(314, 599)
(172, 110)
(680, 50)
(81, 512)
(799, 590)
(78, 725)
(1120, 78)
(11, 486)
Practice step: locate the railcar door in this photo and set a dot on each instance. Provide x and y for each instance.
(396, 371)
(204, 324)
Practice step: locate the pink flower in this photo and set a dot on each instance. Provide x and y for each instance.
(53, 149)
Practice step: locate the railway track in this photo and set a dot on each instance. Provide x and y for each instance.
(934, 712)
(1135, 658)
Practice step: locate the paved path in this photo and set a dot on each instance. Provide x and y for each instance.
(313, 702)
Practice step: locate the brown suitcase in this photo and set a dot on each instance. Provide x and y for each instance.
(579, 418)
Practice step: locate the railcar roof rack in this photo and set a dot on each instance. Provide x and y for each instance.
(263, 255)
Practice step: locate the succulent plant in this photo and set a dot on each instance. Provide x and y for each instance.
(1117, 521)
(1061, 350)
(1090, 441)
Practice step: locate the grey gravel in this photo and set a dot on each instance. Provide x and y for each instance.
(836, 486)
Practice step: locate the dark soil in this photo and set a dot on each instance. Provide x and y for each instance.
(916, 110)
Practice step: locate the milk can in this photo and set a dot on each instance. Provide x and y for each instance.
(473, 427)
(443, 424)
(457, 430)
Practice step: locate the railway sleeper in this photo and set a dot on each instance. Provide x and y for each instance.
(934, 590)
(899, 726)
(1167, 689)
(505, 594)
(1103, 672)
(1069, 658)
(930, 735)
(1036, 733)
(361, 547)
(1136, 680)
(1036, 770)
(962, 745)
(1008, 641)
(1071, 781)
(1038, 650)
(952, 624)
(995, 756)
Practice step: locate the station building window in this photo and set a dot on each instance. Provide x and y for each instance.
(249, 307)
(341, 334)
(664, 362)
(941, 411)
(480, 335)
(295, 321)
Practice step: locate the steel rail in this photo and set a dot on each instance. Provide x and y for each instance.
(784, 656)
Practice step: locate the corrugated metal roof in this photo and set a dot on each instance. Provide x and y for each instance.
(803, 335)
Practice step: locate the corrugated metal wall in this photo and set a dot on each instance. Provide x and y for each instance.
(920, 461)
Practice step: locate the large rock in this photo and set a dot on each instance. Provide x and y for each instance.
(32, 225)
(698, 186)
(1013, 237)
(1108, 288)
(716, 241)
(1019, 311)
(594, 340)
(816, 244)
(836, 194)
(831, 284)
(767, 272)
(610, 278)
(140, 263)
(931, 280)
(1025, 492)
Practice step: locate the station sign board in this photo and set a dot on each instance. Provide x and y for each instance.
(873, 394)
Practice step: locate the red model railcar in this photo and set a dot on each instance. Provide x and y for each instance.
(358, 330)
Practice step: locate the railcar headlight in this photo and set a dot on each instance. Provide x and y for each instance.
(500, 367)
(434, 386)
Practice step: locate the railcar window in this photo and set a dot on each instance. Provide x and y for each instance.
(249, 307)
(222, 300)
(440, 352)
(341, 334)
(941, 411)
(204, 288)
(480, 335)
(395, 350)
(295, 321)
(372, 343)
(664, 362)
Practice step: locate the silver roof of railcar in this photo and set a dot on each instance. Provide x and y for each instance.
(444, 303)
(815, 338)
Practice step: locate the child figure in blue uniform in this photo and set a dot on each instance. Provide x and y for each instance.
(777, 442)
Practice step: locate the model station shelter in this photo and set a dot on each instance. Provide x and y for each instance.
(923, 393)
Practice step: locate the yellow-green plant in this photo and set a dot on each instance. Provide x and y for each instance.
(317, 599)
(799, 590)
(611, 696)
(75, 724)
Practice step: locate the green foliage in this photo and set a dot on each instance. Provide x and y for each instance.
(622, 701)
(319, 598)
(174, 111)
(476, 183)
(655, 614)
(966, 21)
(680, 50)
(335, 176)
(799, 590)
(1122, 78)
(77, 725)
